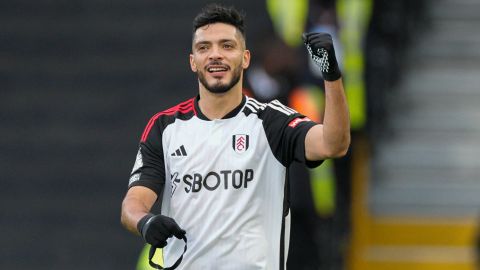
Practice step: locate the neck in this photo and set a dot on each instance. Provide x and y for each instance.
(216, 106)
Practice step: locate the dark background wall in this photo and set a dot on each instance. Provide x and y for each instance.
(78, 82)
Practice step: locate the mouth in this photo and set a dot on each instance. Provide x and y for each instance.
(217, 70)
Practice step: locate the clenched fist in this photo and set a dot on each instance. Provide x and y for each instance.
(320, 48)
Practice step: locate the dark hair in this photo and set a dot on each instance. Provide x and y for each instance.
(215, 13)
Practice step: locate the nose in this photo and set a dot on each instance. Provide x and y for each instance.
(215, 53)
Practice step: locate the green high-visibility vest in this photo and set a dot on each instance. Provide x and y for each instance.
(143, 264)
(289, 18)
(354, 16)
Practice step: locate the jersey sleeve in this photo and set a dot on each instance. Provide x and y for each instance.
(286, 130)
(149, 168)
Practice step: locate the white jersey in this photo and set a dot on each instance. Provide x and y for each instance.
(224, 181)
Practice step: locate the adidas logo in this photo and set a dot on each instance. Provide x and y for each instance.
(180, 152)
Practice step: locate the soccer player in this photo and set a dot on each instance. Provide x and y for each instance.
(217, 162)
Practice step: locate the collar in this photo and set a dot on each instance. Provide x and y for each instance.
(231, 114)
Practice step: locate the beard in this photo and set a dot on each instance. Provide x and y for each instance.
(219, 87)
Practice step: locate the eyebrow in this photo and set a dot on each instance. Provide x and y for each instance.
(220, 41)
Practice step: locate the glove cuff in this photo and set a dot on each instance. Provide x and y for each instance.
(333, 76)
(141, 224)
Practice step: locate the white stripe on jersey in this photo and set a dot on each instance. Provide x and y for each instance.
(276, 105)
(253, 109)
(276, 102)
(256, 102)
(254, 105)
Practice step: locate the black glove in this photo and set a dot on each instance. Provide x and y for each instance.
(320, 48)
(156, 229)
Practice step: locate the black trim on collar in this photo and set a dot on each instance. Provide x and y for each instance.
(231, 114)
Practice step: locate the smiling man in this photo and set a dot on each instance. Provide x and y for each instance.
(217, 163)
(219, 52)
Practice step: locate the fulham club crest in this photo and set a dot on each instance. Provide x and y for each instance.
(240, 143)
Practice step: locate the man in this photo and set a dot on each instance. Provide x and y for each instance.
(217, 163)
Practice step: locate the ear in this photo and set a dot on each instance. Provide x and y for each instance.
(193, 66)
(246, 59)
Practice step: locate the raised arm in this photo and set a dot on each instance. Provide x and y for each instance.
(332, 138)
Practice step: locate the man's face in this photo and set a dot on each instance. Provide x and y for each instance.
(218, 56)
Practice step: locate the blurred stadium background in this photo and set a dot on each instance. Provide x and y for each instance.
(79, 80)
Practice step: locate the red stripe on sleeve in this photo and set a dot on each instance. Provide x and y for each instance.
(192, 100)
(149, 127)
(183, 107)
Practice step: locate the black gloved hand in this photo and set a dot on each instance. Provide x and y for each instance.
(320, 48)
(156, 229)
